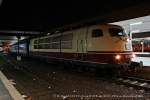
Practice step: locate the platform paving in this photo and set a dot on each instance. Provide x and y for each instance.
(7, 90)
(146, 60)
(4, 94)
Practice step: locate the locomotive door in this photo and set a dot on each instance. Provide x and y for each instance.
(81, 43)
(95, 39)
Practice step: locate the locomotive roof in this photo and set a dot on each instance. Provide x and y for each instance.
(76, 26)
(73, 27)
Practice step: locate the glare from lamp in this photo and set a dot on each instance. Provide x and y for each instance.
(118, 57)
(48, 33)
(133, 55)
(128, 39)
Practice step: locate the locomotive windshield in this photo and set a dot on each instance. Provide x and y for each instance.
(116, 32)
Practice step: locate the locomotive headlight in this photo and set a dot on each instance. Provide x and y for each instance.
(118, 57)
(127, 39)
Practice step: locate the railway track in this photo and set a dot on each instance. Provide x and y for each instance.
(135, 82)
(25, 80)
(72, 83)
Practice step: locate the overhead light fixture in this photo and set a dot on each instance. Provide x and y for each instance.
(48, 33)
(136, 23)
(22, 38)
(141, 42)
(56, 31)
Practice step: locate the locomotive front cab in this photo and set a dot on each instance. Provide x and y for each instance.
(111, 43)
(122, 43)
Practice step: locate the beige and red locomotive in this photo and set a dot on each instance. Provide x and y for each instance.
(101, 44)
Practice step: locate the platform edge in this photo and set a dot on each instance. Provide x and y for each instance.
(14, 93)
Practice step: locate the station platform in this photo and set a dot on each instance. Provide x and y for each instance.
(142, 56)
(146, 60)
(7, 90)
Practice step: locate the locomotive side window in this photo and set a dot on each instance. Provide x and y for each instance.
(35, 41)
(48, 46)
(41, 40)
(48, 40)
(56, 42)
(56, 39)
(116, 32)
(97, 33)
(35, 44)
(66, 41)
(55, 45)
(67, 37)
(66, 45)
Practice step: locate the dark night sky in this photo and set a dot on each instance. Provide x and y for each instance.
(40, 15)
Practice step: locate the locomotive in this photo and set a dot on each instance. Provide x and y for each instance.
(104, 46)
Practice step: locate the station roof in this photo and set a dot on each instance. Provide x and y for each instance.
(32, 17)
(38, 15)
(138, 27)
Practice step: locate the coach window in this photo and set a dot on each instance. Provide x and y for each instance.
(97, 33)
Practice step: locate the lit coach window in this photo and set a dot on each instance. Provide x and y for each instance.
(97, 33)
